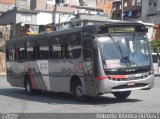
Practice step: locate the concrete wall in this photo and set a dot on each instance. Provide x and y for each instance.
(149, 9)
(38, 4)
(47, 18)
(72, 2)
(24, 4)
(6, 7)
(90, 3)
(27, 18)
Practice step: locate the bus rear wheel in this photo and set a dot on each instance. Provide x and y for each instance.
(122, 95)
(28, 87)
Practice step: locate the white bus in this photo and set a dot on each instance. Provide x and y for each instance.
(86, 61)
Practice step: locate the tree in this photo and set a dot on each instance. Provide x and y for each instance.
(155, 44)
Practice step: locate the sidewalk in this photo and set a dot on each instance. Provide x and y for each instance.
(2, 73)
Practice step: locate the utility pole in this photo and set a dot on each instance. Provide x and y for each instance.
(122, 10)
(15, 3)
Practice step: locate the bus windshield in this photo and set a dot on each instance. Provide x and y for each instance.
(124, 50)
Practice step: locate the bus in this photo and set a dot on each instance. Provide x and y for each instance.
(86, 61)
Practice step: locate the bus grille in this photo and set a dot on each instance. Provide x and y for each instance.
(128, 86)
(129, 78)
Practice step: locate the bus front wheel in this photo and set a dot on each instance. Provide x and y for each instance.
(122, 95)
(78, 90)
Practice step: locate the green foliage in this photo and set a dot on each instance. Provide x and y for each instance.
(155, 44)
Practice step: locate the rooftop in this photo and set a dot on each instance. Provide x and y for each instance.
(8, 1)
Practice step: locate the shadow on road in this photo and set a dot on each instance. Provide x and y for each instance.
(61, 98)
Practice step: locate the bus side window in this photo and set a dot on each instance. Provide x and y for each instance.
(17, 54)
(42, 48)
(44, 52)
(20, 51)
(57, 51)
(87, 50)
(31, 53)
(58, 48)
(10, 54)
(73, 46)
(22, 54)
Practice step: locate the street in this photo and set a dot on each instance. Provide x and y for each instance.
(15, 100)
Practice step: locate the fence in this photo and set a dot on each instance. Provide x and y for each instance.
(156, 63)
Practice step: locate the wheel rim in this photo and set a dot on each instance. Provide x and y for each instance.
(79, 91)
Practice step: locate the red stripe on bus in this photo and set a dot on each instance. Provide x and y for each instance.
(101, 77)
(32, 78)
(118, 76)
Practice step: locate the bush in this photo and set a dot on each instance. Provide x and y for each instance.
(155, 44)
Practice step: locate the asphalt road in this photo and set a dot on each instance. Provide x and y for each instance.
(15, 100)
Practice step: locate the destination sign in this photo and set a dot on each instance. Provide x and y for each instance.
(121, 29)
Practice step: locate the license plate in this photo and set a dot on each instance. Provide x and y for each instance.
(131, 84)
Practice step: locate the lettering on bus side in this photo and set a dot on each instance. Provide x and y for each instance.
(43, 66)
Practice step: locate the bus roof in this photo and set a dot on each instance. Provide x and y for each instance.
(71, 30)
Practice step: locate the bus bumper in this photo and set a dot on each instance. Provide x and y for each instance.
(109, 86)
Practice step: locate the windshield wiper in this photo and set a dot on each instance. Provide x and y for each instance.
(116, 44)
(123, 59)
(133, 39)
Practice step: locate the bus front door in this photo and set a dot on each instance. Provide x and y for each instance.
(89, 82)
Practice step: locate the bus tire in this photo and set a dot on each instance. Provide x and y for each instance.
(28, 87)
(78, 90)
(122, 95)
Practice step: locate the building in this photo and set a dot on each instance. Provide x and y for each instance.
(151, 14)
(50, 10)
(131, 9)
(25, 17)
(106, 5)
(23, 4)
(5, 5)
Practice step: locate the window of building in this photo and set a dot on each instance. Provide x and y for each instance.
(139, 3)
(125, 4)
(25, 18)
(149, 3)
(59, 1)
(133, 2)
(120, 7)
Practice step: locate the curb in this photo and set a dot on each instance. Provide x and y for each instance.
(3, 74)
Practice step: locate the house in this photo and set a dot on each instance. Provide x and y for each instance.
(105, 5)
(131, 9)
(151, 14)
